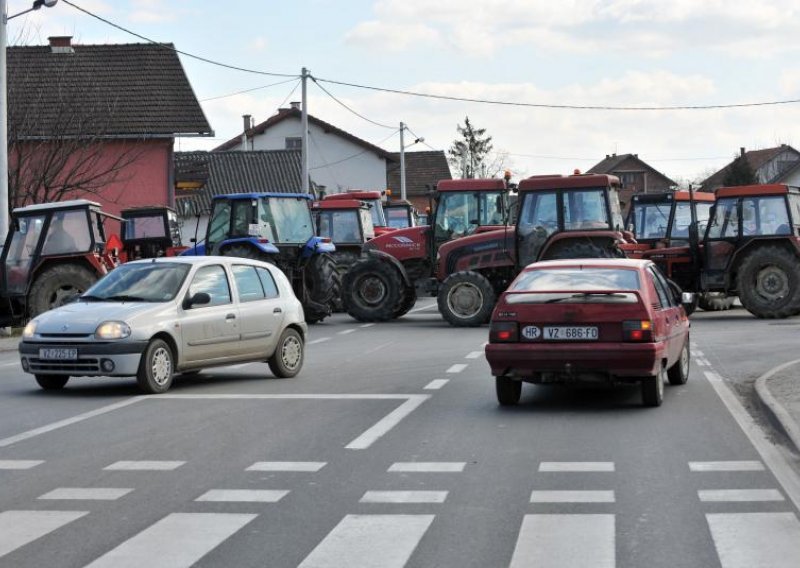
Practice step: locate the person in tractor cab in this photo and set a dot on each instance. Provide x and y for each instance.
(59, 241)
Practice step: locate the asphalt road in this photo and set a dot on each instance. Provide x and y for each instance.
(390, 450)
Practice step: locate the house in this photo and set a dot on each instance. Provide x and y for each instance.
(636, 176)
(98, 122)
(423, 171)
(770, 165)
(338, 160)
(201, 175)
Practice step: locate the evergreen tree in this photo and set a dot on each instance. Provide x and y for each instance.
(469, 154)
(739, 173)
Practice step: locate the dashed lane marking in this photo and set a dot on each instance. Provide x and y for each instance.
(87, 493)
(18, 528)
(726, 466)
(436, 384)
(243, 495)
(345, 331)
(427, 467)
(738, 495)
(576, 466)
(549, 541)
(320, 340)
(474, 355)
(309, 467)
(457, 368)
(19, 464)
(366, 325)
(404, 497)
(151, 465)
(572, 497)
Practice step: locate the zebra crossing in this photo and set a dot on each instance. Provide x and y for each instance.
(385, 534)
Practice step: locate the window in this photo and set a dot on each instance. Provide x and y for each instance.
(662, 289)
(68, 233)
(585, 210)
(725, 223)
(213, 281)
(247, 283)
(765, 216)
(21, 250)
(576, 279)
(268, 282)
(294, 143)
(539, 212)
(220, 223)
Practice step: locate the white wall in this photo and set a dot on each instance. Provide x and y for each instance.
(334, 162)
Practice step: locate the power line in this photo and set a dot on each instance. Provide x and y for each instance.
(573, 158)
(424, 143)
(355, 155)
(290, 94)
(247, 90)
(361, 116)
(187, 54)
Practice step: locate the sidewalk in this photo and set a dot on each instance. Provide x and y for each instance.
(9, 343)
(779, 391)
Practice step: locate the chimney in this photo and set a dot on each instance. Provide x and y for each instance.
(247, 119)
(741, 151)
(61, 44)
(295, 105)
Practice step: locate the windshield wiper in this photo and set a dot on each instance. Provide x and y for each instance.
(585, 295)
(90, 298)
(124, 298)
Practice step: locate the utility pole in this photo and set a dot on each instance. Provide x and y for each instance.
(402, 163)
(304, 125)
(3, 125)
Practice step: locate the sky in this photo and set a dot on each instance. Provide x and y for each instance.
(611, 53)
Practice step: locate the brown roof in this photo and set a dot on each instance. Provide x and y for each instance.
(612, 162)
(126, 90)
(284, 113)
(757, 159)
(422, 169)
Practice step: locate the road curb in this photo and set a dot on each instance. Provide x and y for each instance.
(778, 413)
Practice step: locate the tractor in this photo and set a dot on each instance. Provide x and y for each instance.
(150, 232)
(662, 225)
(575, 216)
(373, 199)
(400, 213)
(395, 266)
(277, 228)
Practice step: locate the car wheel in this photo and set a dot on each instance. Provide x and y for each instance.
(156, 368)
(653, 389)
(287, 360)
(678, 374)
(508, 390)
(52, 382)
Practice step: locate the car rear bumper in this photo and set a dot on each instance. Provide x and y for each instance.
(124, 356)
(530, 360)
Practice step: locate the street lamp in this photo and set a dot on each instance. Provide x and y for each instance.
(4, 109)
(403, 160)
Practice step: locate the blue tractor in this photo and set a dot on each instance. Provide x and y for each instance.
(276, 228)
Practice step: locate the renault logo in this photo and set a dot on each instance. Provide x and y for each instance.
(65, 327)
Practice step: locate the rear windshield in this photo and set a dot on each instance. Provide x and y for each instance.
(576, 279)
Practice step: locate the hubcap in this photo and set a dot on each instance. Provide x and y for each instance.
(372, 290)
(465, 300)
(685, 360)
(291, 352)
(772, 283)
(161, 366)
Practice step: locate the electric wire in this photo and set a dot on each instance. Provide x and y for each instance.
(361, 116)
(248, 90)
(393, 134)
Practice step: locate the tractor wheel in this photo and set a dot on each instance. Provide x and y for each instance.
(769, 283)
(583, 249)
(466, 299)
(58, 285)
(372, 290)
(323, 287)
(715, 301)
(344, 261)
(406, 302)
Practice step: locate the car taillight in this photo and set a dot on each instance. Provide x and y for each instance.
(504, 332)
(637, 330)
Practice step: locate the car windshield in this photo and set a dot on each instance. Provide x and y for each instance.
(650, 220)
(576, 280)
(146, 282)
(290, 218)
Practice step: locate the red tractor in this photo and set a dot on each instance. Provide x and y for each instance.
(383, 284)
(575, 216)
(400, 214)
(373, 199)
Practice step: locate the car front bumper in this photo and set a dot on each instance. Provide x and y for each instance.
(572, 360)
(94, 359)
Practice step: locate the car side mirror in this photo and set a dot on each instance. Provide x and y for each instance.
(687, 298)
(199, 299)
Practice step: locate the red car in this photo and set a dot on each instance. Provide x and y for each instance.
(590, 321)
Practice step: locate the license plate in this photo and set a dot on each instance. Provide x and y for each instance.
(571, 333)
(58, 354)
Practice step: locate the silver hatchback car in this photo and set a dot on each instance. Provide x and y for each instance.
(154, 318)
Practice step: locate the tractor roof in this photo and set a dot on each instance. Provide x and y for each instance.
(746, 190)
(339, 204)
(681, 195)
(70, 204)
(354, 194)
(540, 183)
(493, 184)
(234, 196)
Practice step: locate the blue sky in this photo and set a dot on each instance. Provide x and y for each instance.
(577, 52)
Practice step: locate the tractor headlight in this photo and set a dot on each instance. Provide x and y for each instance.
(29, 330)
(112, 330)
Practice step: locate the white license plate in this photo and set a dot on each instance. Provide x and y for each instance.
(58, 354)
(571, 333)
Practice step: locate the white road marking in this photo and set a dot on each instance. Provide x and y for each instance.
(700, 362)
(726, 466)
(178, 540)
(474, 355)
(576, 466)
(572, 497)
(385, 541)
(769, 453)
(739, 495)
(433, 306)
(388, 422)
(144, 465)
(436, 384)
(19, 464)
(345, 331)
(87, 493)
(287, 466)
(12, 364)
(427, 467)
(320, 340)
(366, 325)
(457, 368)
(239, 366)
(403, 497)
(69, 421)
(558, 541)
(243, 495)
(18, 528)
(746, 540)
(697, 353)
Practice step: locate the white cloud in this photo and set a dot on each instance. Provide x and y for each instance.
(392, 37)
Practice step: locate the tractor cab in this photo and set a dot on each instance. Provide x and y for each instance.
(400, 214)
(664, 219)
(150, 232)
(373, 200)
(346, 222)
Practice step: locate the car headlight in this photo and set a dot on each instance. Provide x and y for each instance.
(29, 330)
(112, 330)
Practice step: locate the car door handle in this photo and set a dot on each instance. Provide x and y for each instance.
(277, 311)
(230, 317)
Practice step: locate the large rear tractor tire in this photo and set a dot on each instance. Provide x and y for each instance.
(323, 287)
(769, 282)
(466, 299)
(58, 285)
(406, 302)
(583, 249)
(344, 261)
(715, 301)
(372, 290)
